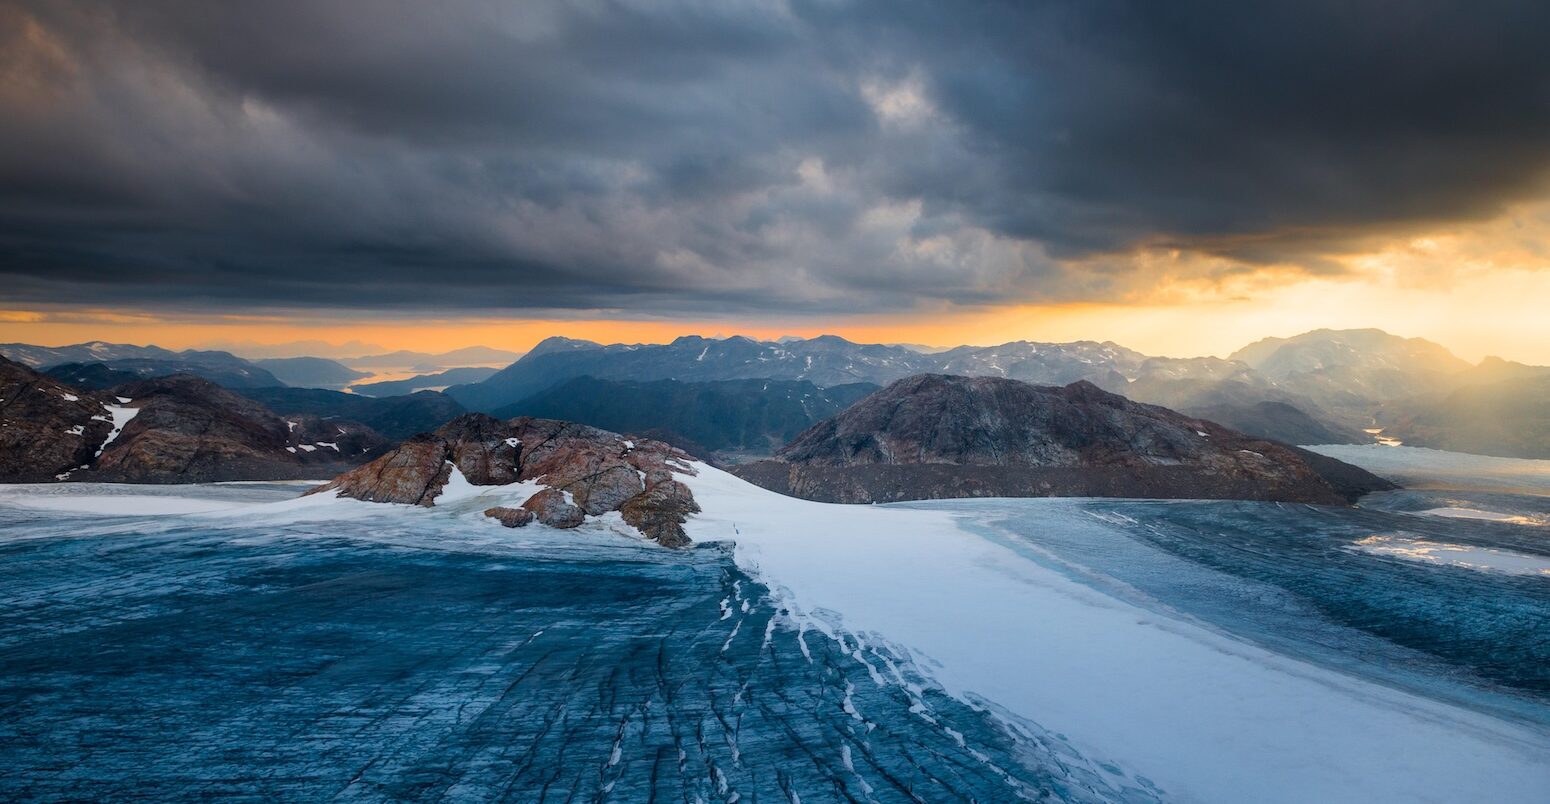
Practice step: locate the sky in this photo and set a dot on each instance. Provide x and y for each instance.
(1182, 178)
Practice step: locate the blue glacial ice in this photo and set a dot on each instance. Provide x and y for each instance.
(389, 657)
(223, 641)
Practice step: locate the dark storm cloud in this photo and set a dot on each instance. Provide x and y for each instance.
(695, 157)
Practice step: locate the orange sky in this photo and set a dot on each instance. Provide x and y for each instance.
(1479, 289)
(1503, 314)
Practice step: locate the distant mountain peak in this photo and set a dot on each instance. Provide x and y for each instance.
(560, 343)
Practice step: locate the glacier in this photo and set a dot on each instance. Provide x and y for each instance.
(236, 640)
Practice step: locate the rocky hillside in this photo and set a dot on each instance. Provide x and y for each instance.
(936, 436)
(1279, 421)
(397, 417)
(714, 420)
(576, 471)
(189, 430)
(179, 429)
(47, 428)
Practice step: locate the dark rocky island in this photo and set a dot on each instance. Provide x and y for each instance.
(937, 436)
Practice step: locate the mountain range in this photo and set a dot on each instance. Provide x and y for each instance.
(41, 357)
(1324, 386)
(825, 361)
(219, 368)
(720, 420)
(100, 364)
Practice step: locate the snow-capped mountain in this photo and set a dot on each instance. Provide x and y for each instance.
(825, 361)
(42, 357)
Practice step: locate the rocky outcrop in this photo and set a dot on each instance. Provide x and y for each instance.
(937, 436)
(552, 509)
(510, 517)
(661, 511)
(586, 472)
(415, 472)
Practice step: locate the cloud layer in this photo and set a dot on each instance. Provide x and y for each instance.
(685, 158)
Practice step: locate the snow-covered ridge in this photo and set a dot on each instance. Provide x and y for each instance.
(1204, 716)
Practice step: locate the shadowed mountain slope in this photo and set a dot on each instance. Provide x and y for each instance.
(935, 436)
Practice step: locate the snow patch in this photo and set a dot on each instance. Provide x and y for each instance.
(459, 493)
(121, 416)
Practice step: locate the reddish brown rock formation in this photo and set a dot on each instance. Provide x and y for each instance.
(552, 509)
(599, 470)
(510, 517)
(660, 512)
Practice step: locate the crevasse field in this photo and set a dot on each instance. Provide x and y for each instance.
(231, 640)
